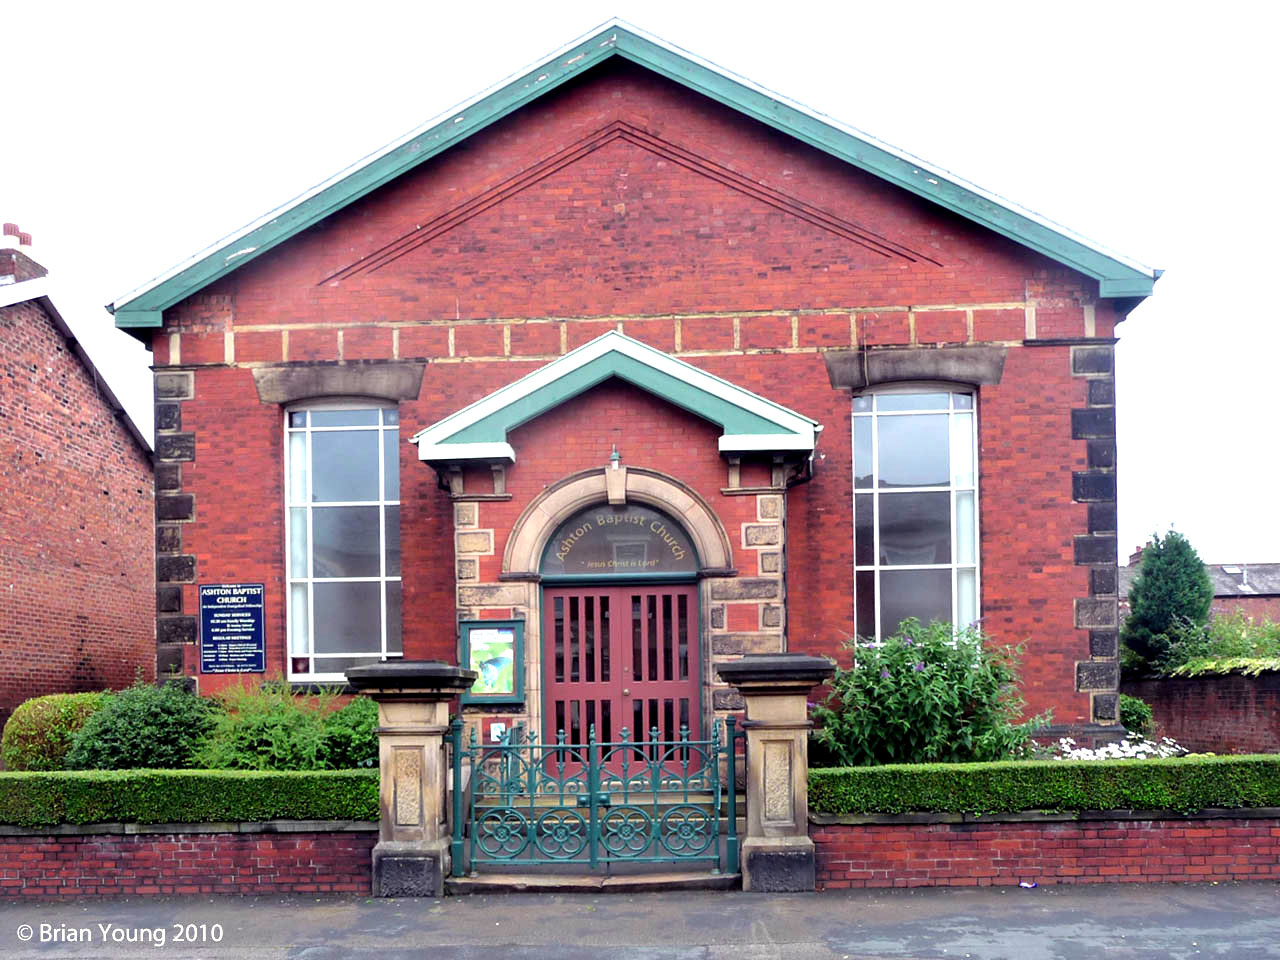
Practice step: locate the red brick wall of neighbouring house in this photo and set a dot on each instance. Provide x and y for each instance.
(1259, 608)
(625, 201)
(1228, 713)
(87, 865)
(77, 599)
(1094, 851)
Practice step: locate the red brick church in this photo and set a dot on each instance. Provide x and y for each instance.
(622, 369)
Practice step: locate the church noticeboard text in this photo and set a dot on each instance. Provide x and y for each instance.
(621, 540)
(232, 637)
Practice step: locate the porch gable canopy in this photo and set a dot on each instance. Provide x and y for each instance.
(751, 423)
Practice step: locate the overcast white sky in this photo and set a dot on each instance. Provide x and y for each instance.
(132, 135)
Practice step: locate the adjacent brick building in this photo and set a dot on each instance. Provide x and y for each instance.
(77, 590)
(576, 376)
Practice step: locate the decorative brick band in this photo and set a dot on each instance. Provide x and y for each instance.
(1097, 549)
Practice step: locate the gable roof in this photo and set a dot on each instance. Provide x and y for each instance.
(1229, 579)
(38, 289)
(750, 422)
(1117, 276)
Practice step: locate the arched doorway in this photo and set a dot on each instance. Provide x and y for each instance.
(621, 644)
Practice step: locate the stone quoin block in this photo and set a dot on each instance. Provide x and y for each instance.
(1097, 675)
(168, 599)
(762, 534)
(1103, 580)
(1102, 392)
(475, 541)
(168, 416)
(179, 569)
(744, 588)
(175, 506)
(1103, 643)
(168, 538)
(1095, 612)
(1102, 517)
(176, 630)
(770, 561)
(176, 446)
(1092, 360)
(717, 617)
(1096, 549)
(1102, 454)
(1093, 486)
(1093, 422)
(176, 386)
(727, 700)
(168, 477)
(1106, 707)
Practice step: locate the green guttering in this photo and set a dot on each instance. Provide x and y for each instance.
(1116, 277)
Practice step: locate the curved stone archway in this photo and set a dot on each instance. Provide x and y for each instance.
(557, 503)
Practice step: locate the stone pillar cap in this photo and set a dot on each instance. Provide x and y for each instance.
(413, 678)
(763, 669)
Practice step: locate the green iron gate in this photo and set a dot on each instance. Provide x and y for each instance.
(595, 805)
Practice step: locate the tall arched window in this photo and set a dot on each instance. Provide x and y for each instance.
(342, 513)
(915, 507)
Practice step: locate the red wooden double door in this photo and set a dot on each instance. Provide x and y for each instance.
(621, 656)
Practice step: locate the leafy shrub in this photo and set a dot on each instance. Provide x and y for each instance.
(924, 695)
(1136, 715)
(1183, 785)
(273, 728)
(38, 733)
(186, 796)
(143, 726)
(351, 736)
(267, 728)
(1173, 587)
(1228, 641)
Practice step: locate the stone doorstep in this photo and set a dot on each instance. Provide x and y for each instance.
(578, 883)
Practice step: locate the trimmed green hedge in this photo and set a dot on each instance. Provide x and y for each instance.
(186, 796)
(1181, 785)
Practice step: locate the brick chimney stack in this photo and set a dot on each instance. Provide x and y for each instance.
(1135, 558)
(16, 264)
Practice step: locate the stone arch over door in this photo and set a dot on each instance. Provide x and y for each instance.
(541, 518)
(544, 515)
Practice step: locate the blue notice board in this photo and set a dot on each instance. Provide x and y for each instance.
(232, 634)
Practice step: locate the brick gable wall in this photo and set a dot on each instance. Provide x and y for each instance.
(77, 604)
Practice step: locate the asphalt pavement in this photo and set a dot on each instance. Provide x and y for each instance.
(1148, 921)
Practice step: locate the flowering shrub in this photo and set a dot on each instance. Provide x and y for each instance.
(924, 695)
(1135, 746)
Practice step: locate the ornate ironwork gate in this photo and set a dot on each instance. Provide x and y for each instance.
(595, 804)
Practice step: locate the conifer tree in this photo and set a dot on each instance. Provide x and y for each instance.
(1173, 586)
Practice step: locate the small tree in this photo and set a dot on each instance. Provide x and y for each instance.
(1173, 588)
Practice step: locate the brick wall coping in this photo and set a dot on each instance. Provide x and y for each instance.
(139, 829)
(1038, 816)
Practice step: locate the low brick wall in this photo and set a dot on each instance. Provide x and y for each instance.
(1218, 713)
(923, 850)
(139, 860)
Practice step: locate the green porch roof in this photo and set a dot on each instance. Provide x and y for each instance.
(1117, 276)
(750, 423)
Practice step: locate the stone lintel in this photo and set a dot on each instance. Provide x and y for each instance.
(383, 380)
(869, 366)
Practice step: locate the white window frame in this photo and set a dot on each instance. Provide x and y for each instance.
(876, 568)
(381, 428)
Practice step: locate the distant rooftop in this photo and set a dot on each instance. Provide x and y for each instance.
(1229, 579)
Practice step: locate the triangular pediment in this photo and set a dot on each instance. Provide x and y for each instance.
(750, 423)
(1117, 276)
